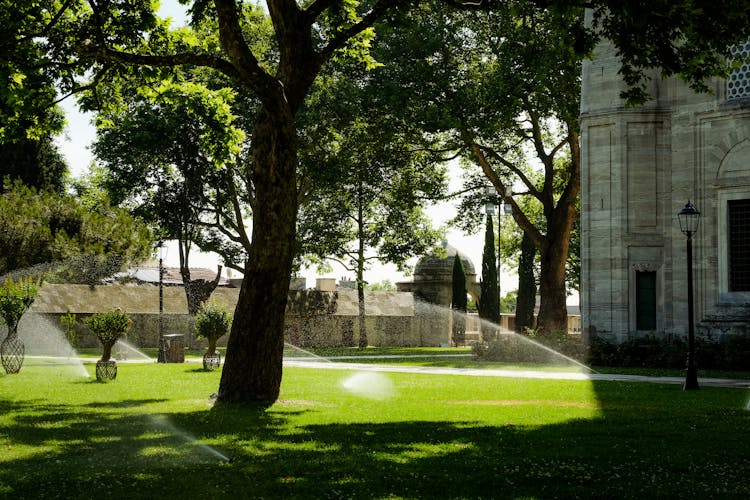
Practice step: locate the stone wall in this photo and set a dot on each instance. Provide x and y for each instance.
(314, 318)
(640, 165)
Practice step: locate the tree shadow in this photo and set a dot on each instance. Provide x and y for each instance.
(640, 444)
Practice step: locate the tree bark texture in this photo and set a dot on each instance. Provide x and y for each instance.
(553, 313)
(253, 366)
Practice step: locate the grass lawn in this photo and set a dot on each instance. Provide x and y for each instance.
(153, 433)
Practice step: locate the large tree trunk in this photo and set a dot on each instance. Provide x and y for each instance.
(253, 368)
(553, 313)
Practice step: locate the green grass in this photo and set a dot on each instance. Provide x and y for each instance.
(153, 433)
(461, 358)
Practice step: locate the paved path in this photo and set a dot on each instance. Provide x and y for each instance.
(479, 372)
(335, 364)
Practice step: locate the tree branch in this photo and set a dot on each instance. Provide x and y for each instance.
(244, 62)
(508, 164)
(88, 49)
(367, 21)
(536, 236)
(317, 7)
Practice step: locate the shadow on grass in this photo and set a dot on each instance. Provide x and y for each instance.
(643, 444)
(125, 403)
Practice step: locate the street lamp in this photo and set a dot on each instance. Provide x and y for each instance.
(502, 209)
(689, 217)
(161, 253)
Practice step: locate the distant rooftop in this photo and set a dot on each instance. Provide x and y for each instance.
(172, 276)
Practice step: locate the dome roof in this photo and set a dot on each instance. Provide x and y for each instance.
(440, 267)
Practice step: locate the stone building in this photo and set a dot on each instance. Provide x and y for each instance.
(640, 165)
(433, 278)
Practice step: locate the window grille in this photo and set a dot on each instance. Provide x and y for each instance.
(738, 85)
(739, 245)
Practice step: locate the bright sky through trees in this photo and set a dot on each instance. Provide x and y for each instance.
(79, 133)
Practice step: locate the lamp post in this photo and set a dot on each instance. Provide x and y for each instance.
(689, 217)
(503, 209)
(162, 252)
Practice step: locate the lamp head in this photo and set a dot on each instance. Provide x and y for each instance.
(689, 218)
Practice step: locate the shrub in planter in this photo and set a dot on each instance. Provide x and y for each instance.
(108, 327)
(212, 322)
(15, 299)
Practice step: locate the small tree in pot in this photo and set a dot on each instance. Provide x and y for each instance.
(108, 327)
(15, 299)
(212, 322)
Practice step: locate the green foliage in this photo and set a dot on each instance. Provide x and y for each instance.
(526, 300)
(169, 154)
(515, 128)
(69, 321)
(212, 321)
(367, 176)
(458, 296)
(35, 162)
(685, 38)
(108, 326)
(16, 296)
(42, 227)
(551, 348)
(381, 286)
(508, 302)
(489, 303)
(28, 110)
(669, 351)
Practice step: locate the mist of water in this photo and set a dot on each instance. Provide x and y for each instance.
(292, 352)
(363, 383)
(524, 348)
(164, 424)
(46, 342)
(124, 350)
(370, 385)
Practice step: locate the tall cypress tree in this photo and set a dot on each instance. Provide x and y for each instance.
(526, 286)
(489, 302)
(458, 302)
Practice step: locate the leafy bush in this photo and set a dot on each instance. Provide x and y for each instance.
(108, 327)
(69, 321)
(15, 298)
(731, 353)
(551, 348)
(212, 321)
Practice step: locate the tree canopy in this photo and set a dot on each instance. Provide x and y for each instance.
(82, 244)
(86, 42)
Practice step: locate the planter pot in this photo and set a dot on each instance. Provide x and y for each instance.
(12, 353)
(211, 361)
(106, 370)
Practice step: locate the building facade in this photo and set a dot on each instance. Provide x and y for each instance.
(640, 166)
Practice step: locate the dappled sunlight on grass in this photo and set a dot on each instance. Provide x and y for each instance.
(154, 433)
(405, 454)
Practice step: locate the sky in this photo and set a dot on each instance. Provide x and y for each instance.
(79, 134)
